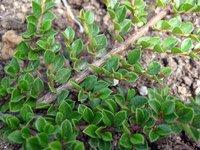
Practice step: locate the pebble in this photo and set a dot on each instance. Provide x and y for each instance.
(187, 80)
(2, 8)
(143, 90)
(197, 91)
(21, 17)
(198, 82)
(24, 8)
(182, 90)
(16, 4)
(116, 82)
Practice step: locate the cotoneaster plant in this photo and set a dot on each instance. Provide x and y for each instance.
(80, 103)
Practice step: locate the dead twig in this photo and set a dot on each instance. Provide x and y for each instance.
(122, 50)
(71, 16)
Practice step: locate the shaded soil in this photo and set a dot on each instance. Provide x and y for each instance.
(184, 81)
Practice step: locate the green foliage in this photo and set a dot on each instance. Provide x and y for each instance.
(94, 111)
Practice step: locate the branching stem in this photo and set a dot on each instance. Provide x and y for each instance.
(122, 50)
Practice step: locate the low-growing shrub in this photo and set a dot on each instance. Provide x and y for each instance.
(80, 103)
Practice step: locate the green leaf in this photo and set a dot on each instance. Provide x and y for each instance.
(137, 139)
(48, 128)
(125, 26)
(142, 115)
(63, 75)
(58, 63)
(79, 146)
(49, 57)
(93, 29)
(69, 34)
(101, 42)
(65, 109)
(39, 124)
(187, 45)
(25, 132)
(59, 117)
(104, 93)
(36, 8)
(56, 145)
(67, 130)
(32, 143)
(112, 64)
(38, 86)
(153, 68)
(177, 30)
(88, 115)
(121, 13)
(42, 44)
(153, 136)
(15, 106)
(155, 105)
(22, 51)
(138, 101)
(185, 115)
(134, 56)
(119, 118)
(43, 139)
(130, 77)
(163, 130)
(90, 131)
(175, 22)
(187, 27)
(168, 107)
(62, 96)
(77, 47)
(89, 17)
(16, 96)
(26, 113)
(166, 25)
(16, 137)
(107, 136)
(196, 121)
(13, 68)
(169, 43)
(46, 25)
(107, 117)
(125, 141)
(170, 118)
(89, 83)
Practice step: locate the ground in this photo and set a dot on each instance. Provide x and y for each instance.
(184, 81)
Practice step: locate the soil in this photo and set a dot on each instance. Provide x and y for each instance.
(184, 81)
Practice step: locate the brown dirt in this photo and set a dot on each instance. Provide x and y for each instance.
(184, 81)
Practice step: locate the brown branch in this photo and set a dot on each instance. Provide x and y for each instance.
(121, 49)
(40, 18)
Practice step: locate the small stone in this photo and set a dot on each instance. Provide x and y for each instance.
(197, 91)
(24, 8)
(116, 82)
(16, 4)
(182, 90)
(2, 8)
(187, 80)
(143, 90)
(21, 17)
(10, 41)
(198, 82)
(60, 11)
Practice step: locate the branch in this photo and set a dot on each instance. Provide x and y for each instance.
(119, 49)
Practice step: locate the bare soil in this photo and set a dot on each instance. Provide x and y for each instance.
(184, 81)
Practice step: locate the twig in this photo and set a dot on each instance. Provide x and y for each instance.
(122, 50)
(71, 16)
(40, 18)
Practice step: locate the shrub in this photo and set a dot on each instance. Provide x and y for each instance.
(83, 104)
